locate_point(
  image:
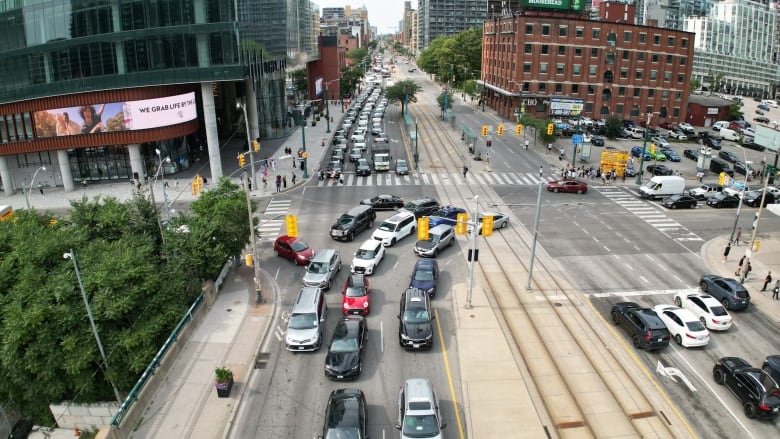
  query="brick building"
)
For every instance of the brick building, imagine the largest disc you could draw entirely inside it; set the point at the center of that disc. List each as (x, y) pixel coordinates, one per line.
(613, 67)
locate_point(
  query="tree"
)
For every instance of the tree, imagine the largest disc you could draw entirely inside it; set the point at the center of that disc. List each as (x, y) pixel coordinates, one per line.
(357, 56)
(735, 112)
(402, 91)
(440, 100)
(614, 126)
(695, 85)
(453, 58)
(470, 87)
(715, 81)
(299, 81)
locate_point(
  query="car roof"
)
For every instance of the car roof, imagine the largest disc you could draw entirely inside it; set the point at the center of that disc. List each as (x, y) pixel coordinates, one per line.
(425, 263)
(369, 244)
(287, 239)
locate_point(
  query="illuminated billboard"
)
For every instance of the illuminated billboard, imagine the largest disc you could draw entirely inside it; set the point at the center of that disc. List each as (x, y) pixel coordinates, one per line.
(574, 5)
(318, 87)
(566, 106)
(116, 116)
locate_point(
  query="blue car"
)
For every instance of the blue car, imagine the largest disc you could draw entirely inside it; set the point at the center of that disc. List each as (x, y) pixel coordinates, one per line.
(424, 276)
(671, 155)
(635, 151)
(445, 215)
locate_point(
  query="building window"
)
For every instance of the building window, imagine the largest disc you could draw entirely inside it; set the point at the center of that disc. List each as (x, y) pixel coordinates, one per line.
(669, 59)
(545, 29)
(610, 58)
(563, 31)
(561, 50)
(577, 69)
(529, 29)
(542, 86)
(638, 74)
(623, 73)
(684, 43)
(559, 69)
(637, 92)
(655, 58)
(589, 107)
(619, 109)
(558, 87)
(671, 42)
(591, 89)
(680, 78)
(528, 49)
(667, 76)
(594, 51)
(596, 33)
(650, 92)
(578, 51)
(676, 112)
(591, 70)
(611, 40)
(545, 49)
(626, 55)
(526, 67)
(640, 56)
(543, 67)
(653, 75)
(621, 91)
(683, 61)
(627, 37)
(648, 109)
(575, 89)
(579, 31)
(657, 40)
(678, 95)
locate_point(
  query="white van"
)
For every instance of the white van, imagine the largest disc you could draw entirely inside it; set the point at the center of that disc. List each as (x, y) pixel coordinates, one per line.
(729, 134)
(662, 186)
(717, 126)
(636, 132)
(771, 103)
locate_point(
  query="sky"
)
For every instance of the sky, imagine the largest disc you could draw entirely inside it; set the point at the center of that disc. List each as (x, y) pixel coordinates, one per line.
(382, 14)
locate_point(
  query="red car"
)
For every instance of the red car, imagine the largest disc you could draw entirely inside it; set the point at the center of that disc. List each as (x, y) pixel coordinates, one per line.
(573, 186)
(355, 295)
(293, 249)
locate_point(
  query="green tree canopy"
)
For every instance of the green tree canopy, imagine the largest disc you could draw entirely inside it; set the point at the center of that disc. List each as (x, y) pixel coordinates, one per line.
(401, 90)
(454, 58)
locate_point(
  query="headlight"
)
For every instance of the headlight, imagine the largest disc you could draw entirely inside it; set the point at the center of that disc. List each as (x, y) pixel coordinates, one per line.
(430, 290)
(328, 367)
(355, 367)
(404, 336)
(346, 306)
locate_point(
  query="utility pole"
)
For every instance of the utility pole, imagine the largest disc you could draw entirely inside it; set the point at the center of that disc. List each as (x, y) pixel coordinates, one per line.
(253, 243)
(473, 251)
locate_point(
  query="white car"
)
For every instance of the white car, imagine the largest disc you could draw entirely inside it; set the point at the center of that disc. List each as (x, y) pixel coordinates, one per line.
(500, 220)
(686, 127)
(735, 191)
(706, 308)
(660, 142)
(368, 256)
(749, 132)
(687, 330)
(679, 135)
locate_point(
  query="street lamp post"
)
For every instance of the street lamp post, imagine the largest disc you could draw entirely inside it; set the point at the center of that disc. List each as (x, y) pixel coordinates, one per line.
(248, 143)
(739, 206)
(165, 193)
(29, 191)
(253, 243)
(416, 151)
(536, 233)
(304, 163)
(72, 256)
(642, 155)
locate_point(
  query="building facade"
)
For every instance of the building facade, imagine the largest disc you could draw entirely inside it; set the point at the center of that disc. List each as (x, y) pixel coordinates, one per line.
(442, 18)
(614, 68)
(91, 91)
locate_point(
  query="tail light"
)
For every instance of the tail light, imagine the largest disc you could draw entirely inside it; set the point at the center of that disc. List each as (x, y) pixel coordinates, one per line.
(648, 336)
(689, 335)
(763, 407)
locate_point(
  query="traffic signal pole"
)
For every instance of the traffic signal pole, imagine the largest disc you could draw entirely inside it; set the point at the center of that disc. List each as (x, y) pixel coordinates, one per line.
(473, 251)
(253, 244)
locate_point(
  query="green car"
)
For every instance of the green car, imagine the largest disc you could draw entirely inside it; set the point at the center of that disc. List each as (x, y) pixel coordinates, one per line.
(658, 156)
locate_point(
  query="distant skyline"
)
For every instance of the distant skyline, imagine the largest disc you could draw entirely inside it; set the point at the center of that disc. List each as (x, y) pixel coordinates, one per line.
(382, 14)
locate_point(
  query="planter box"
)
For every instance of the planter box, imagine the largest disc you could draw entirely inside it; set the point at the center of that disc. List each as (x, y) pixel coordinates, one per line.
(223, 389)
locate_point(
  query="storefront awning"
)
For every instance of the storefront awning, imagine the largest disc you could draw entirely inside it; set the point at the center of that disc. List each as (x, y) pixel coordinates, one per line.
(495, 88)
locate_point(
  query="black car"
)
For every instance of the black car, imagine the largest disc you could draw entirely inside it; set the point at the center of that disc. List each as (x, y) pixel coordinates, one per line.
(646, 329)
(692, 154)
(754, 146)
(597, 141)
(711, 142)
(659, 170)
(679, 201)
(381, 202)
(345, 353)
(728, 156)
(761, 119)
(415, 321)
(346, 415)
(362, 168)
(422, 206)
(757, 391)
(772, 367)
(753, 198)
(742, 168)
(722, 200)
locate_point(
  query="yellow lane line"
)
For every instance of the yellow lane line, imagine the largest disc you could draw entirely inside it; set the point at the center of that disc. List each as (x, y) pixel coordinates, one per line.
(449, 377)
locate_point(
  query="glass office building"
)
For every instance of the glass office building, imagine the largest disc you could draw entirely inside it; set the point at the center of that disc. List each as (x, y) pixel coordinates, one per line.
(67, 54)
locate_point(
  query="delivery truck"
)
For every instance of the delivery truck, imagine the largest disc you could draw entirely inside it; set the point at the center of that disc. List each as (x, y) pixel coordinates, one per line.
(661, 186)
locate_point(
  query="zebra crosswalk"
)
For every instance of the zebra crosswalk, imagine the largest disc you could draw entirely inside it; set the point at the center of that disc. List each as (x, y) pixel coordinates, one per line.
(649, 212)
(272, 219)
(442, 178)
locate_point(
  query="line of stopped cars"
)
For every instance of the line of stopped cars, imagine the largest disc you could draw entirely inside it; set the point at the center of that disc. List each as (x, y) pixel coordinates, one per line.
(689, 321)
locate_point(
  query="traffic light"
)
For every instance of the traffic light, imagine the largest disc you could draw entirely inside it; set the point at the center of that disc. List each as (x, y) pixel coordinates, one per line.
(756, 246)
(461, 227)
(652, 148)
(422, 229)
(519, 129)
(241, 160)
(292, 225)
(721, 179)
(501, 130)
(487, 225)
(256, 145)
(550, 129)
(248, 260)
(197, 184)
(484, 130)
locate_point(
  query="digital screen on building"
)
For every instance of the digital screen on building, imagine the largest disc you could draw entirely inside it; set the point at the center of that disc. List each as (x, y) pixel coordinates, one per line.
(318, 87)
(575, 5)
(566, 106)
(116, 116)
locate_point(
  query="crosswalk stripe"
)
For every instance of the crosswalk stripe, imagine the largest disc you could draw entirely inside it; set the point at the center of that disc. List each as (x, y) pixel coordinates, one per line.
(481, 179)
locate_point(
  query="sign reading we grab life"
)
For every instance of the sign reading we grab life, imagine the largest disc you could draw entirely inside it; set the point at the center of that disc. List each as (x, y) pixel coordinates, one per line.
(154, 113)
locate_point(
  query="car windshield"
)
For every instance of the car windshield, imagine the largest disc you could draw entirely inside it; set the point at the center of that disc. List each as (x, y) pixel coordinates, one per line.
(402, 163)
(387, 227)
(345, 219)
(416, 316)
(299, 246)
(365, 254)
(695, 325)
(347, 344)
(317, 268)
(440, 212)
(718, 311)
(303, 321)
(356, 291)
(411, 205)
(423, 275)
(420, 426)
(343, 433)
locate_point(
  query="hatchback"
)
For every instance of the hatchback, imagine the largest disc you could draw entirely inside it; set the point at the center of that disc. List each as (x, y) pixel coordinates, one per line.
(293, 249)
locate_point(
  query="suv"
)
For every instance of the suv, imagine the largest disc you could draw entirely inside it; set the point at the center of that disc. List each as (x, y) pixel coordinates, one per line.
(728, 156)
(728, 291)
(422, 206)
(415, 320)
(756, 390)
(711, 142)
(646, 329)
(439, 237)
(322, 269)
(418, 410)
(705, 190)
(395, 228)
(307, 318)
(351, 223)
(368, 256)
(446, 215)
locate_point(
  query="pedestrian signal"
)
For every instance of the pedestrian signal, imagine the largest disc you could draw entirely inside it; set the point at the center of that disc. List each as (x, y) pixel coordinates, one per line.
(550, 129)
(501, 130)
(256, 145)
(484, 130)
(241, 160)
(291, 222)
(519, 129)
(422, 229)
(197, 184)
(462, 225)
(487, 225)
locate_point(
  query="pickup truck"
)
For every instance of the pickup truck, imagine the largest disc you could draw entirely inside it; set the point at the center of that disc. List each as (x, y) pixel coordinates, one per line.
(646, 329)
(705, 190)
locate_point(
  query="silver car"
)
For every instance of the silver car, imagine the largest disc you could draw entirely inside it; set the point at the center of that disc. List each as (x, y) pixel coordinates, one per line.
(401, 168)
(322, 269)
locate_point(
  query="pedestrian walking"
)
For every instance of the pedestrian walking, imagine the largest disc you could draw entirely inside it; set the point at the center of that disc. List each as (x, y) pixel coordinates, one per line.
(265, 185)
(526, 144)
(726, 252)
(549, 148)
(176, 184)
(293, 160)
(562, 154)
(739, 267)
(541, 171)
(737, 236)
(278, 183)
(40, 188)
(284, 181)
(273, 164)
(465, 170)
(748, 269)
(293, 178)
(249, 184)
(767, 280)
(776, 289)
